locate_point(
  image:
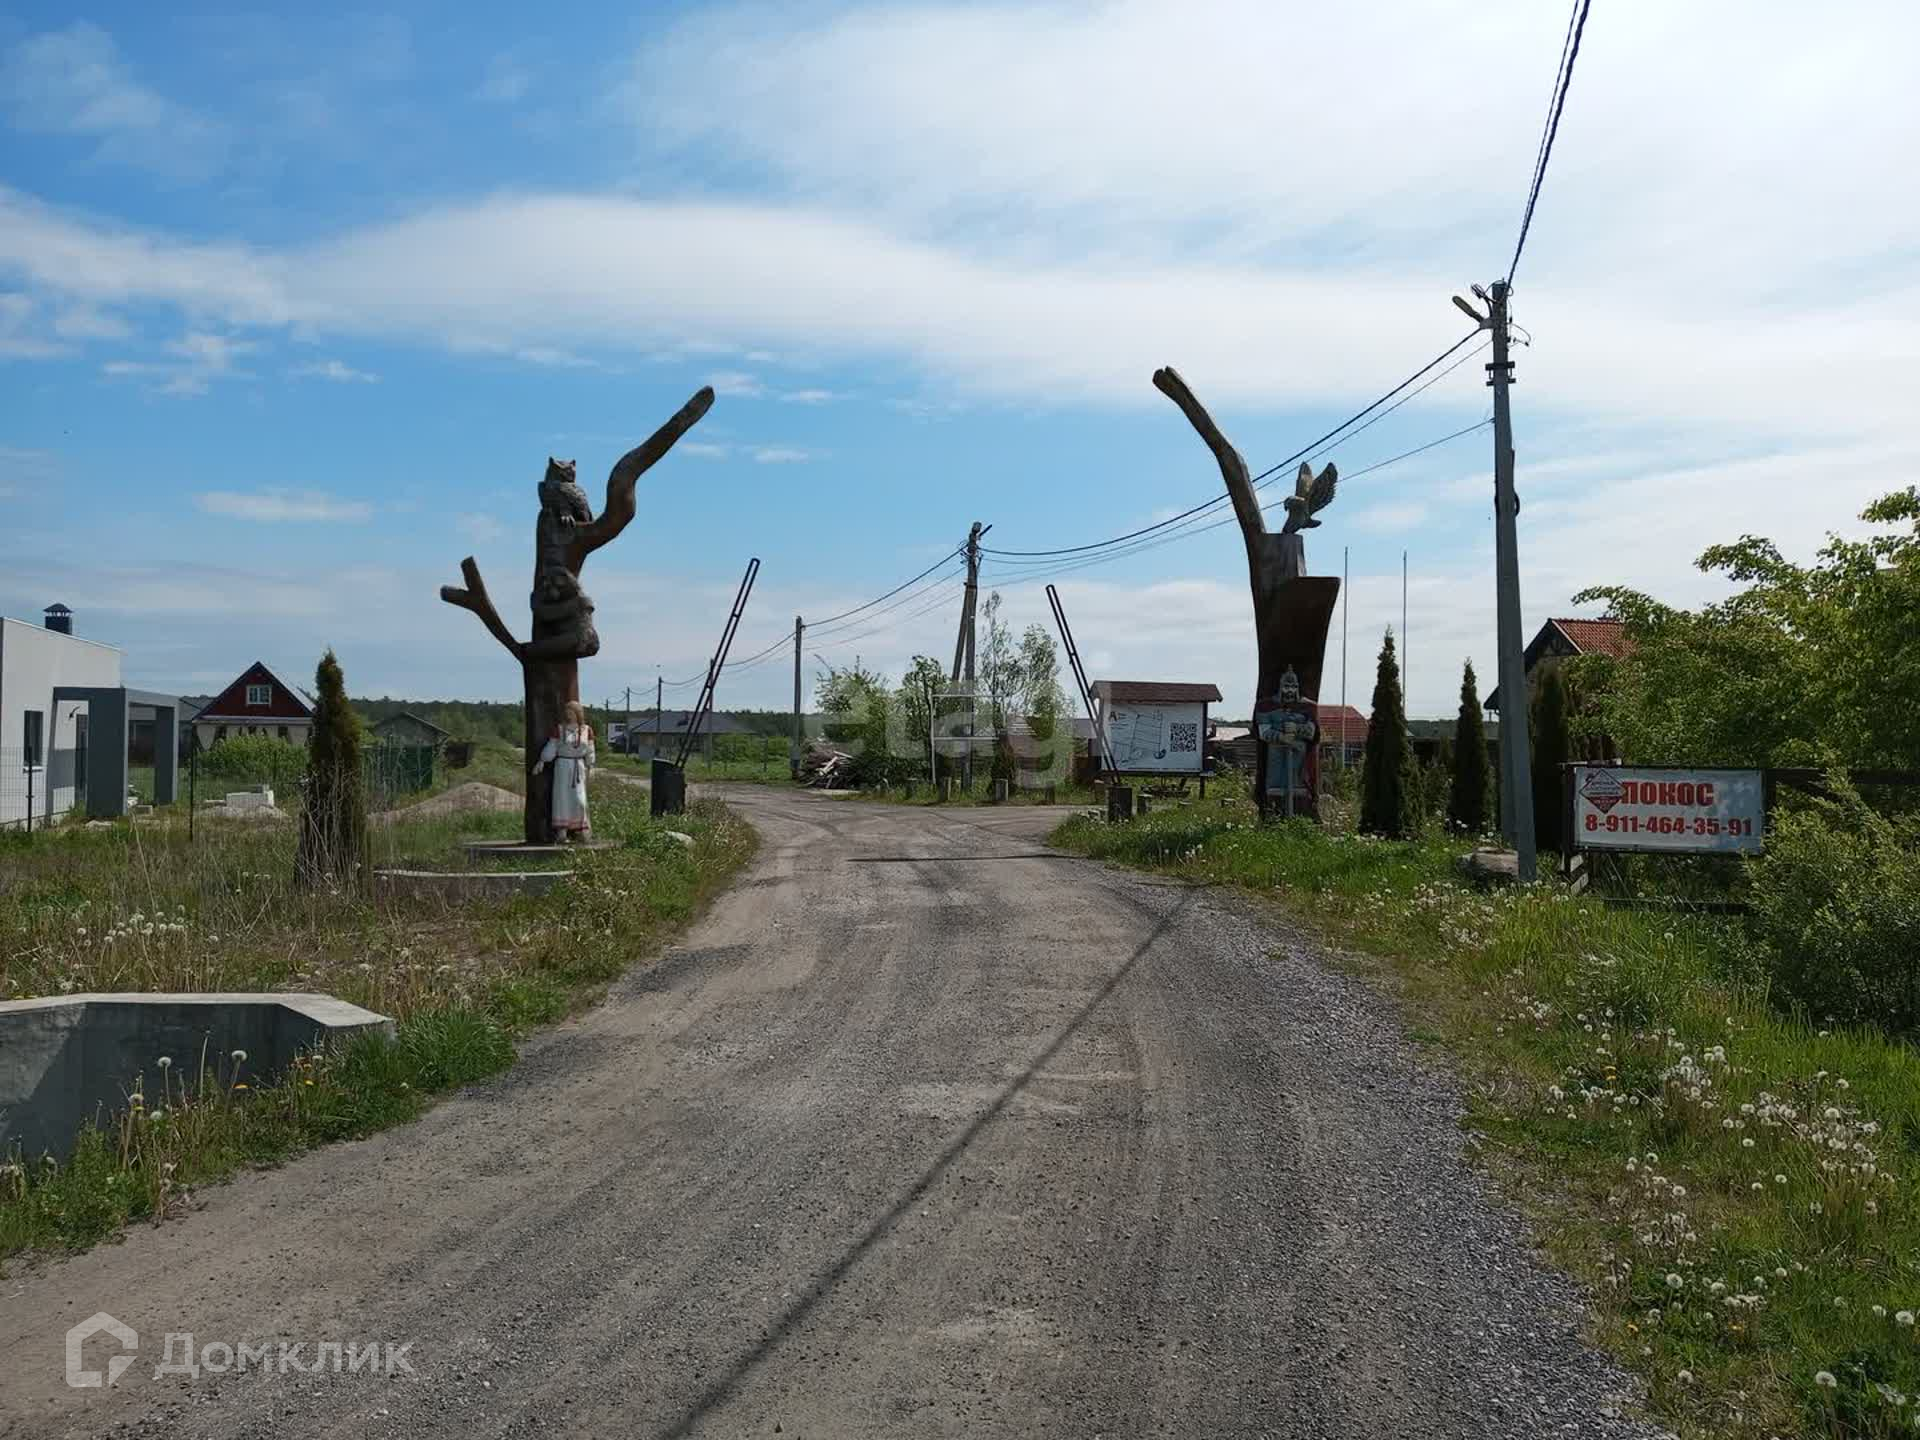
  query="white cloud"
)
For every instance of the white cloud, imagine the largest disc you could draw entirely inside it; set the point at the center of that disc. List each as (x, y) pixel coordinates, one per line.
(281, 505)
(704, 449)
(336, 370)
(781, 455)
(736, 383)
(73, 82)
(1390, 517)
(200, 358)
(810, 397)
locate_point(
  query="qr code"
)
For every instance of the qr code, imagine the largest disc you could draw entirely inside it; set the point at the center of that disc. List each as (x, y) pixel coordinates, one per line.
(1183, 737)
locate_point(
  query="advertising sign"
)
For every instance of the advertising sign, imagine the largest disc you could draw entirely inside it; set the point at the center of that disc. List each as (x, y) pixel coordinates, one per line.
(1155, 739)
(1678, 811)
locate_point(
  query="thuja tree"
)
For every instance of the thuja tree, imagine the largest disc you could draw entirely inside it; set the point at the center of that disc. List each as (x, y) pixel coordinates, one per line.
(565, 533)
(333, 813)
(1552, 743)
(1467, 799)
(1383, 781)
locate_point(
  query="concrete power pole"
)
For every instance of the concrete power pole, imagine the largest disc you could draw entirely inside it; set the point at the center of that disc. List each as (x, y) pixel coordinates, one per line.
(1516, 776)
(963, 643)
(799, 629)
(626, 721)
(659, 694)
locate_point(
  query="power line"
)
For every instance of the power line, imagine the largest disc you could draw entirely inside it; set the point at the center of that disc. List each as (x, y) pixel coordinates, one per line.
(1194, 527)
(1569, 53)
(815, 624)
(1041, 570)
(825, 626)
(1218, 500)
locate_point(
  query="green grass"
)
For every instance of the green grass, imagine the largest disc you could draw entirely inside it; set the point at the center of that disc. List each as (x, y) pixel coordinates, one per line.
(140, 907)
(1694, 1155)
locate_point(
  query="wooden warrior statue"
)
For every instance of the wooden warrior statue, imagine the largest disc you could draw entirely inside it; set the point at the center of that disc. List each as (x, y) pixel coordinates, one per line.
(1291, 611)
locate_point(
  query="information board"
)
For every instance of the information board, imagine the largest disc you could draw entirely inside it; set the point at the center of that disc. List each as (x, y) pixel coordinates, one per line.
(1156, 739)
(1672, 811)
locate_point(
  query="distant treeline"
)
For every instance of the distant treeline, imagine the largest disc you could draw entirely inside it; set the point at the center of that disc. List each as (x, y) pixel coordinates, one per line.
(462, 719)
(500, 720)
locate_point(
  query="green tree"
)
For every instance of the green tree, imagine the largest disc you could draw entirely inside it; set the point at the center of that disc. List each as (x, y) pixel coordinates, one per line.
(1550, 750)
(1467, 798)
(1000, 672)
(1383, 782)
(1803, 665)
(332, 847)
(915, 703)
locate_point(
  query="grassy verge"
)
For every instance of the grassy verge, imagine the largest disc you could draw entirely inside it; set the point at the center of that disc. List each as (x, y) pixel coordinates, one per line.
(1735, 1185)
(138, 907)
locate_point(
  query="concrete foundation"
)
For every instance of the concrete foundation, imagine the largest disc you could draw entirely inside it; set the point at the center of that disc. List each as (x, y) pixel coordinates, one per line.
(455, 886)
(68, 1059)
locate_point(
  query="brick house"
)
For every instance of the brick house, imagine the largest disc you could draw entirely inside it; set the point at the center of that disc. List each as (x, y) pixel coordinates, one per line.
(258, 702)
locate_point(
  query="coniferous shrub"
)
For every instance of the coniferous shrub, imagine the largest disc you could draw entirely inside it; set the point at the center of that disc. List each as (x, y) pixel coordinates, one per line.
(1383, 783)
(1467, 809)
(333, 813)
(1552, 744)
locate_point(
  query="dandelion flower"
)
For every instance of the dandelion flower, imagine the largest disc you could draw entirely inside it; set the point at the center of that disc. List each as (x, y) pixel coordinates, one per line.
(1824, 1379)
(165, 1062)
(1905, 1317)
(1685, 1377)
(239, 1057)
(1674, 1282)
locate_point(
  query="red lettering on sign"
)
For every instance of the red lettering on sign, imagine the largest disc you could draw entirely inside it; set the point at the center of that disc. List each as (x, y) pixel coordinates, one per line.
(1706, 792)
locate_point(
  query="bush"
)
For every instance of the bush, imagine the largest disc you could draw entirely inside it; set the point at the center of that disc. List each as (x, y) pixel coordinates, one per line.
(1836, 912)
(253, 760)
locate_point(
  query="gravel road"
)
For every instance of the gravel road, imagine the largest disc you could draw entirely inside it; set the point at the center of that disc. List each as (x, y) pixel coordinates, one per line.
(923, 1131)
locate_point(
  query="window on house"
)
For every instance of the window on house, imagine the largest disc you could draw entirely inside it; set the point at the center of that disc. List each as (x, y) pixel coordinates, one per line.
(259, 694)
(219, 733)
(283, 733)
(33, 738)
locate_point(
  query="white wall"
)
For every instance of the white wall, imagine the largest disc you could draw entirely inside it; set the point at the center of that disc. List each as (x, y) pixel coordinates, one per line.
(298, 731)
(33, 660)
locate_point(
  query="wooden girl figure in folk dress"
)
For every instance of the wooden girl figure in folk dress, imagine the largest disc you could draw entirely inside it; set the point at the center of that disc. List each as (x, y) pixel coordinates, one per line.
(570, 751)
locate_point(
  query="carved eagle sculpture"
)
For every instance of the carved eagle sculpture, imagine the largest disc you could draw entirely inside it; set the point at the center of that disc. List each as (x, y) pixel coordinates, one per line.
(1310, 494)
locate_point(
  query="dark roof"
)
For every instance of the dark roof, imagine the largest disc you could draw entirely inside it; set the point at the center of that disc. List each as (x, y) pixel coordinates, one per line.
(56, 609)
(1154, 692)
(419, 720)
(286, 703)
(672, 721)
(1559, 639)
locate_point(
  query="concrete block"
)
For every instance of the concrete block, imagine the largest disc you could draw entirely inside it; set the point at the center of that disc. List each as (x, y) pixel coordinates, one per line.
(68, 1059)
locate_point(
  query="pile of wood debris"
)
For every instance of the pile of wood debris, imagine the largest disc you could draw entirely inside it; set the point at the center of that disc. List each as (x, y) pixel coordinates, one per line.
(824, 768)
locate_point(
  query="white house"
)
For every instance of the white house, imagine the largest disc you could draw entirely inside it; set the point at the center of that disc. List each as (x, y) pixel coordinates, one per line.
(43, 744)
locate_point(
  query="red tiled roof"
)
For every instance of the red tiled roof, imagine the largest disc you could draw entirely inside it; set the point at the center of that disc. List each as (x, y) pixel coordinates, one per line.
(1342, 724)
(1153, 692)
(1596, 637)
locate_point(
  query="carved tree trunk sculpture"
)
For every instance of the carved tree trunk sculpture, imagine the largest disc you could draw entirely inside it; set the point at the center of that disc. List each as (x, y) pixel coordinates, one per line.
(563, 633)
(1291, 610)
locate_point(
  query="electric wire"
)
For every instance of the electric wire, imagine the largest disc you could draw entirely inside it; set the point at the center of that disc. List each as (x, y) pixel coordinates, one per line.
(1258, 480)
(1563, 80)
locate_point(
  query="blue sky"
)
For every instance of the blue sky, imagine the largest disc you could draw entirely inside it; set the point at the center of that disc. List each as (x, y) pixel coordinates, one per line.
(294, 308)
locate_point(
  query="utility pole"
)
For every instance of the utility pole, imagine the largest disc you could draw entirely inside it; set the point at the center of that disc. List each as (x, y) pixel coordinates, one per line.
(626, 720)
(1516, 780)
(659, 692)
(963, 643)
(799, 628)
(1406, 649)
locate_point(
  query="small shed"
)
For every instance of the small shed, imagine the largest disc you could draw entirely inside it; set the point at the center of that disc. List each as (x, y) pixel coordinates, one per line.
(406, 728)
